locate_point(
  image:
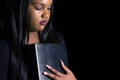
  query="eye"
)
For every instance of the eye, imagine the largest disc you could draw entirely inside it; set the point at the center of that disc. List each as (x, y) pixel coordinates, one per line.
(38, 7)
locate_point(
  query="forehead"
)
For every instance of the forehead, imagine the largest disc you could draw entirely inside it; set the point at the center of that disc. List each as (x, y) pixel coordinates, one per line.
(42, 1)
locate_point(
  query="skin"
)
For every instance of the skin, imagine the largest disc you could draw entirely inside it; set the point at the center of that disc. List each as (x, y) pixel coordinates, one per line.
(39, 10)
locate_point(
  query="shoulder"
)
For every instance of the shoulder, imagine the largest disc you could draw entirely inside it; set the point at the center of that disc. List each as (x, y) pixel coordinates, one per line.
(3, 44)
(4, 48)
(4, 58)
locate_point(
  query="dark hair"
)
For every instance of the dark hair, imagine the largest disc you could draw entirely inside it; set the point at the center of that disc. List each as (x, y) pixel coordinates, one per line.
(16, 25)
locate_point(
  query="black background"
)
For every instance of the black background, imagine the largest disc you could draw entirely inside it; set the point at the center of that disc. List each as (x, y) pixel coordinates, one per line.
(66, 21)
(81, 23)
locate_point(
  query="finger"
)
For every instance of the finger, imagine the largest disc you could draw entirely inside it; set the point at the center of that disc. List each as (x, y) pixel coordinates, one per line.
(55, 77)
(65, 67)
(54, 71)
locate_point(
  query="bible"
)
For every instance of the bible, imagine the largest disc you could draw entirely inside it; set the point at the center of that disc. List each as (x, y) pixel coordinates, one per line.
(50, 54)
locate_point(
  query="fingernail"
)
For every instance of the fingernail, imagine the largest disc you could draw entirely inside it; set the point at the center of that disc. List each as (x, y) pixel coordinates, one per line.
(45, 73)
(61, 61)
(47, 66)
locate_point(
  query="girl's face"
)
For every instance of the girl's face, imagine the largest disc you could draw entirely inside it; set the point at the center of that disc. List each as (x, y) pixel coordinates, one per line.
(39, 14)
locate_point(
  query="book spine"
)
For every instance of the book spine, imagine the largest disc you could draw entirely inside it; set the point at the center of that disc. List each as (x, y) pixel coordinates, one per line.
(38, 65)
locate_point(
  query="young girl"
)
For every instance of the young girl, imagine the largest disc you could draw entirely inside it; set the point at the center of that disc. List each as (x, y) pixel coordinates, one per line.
(28, 22)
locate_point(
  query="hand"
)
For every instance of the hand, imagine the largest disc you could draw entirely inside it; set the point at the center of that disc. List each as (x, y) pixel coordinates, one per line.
(56, 75)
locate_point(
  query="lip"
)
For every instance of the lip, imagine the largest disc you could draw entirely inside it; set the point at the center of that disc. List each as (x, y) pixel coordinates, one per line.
(44, 22)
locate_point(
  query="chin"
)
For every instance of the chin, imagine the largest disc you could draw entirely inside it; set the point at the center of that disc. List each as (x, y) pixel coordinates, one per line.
(41, 28)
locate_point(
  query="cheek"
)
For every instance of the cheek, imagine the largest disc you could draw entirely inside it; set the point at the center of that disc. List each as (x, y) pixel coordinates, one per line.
(49, 14)
(34, 19)
(35, 16)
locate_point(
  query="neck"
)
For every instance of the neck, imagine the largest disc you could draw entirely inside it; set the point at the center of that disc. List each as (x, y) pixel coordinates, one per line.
(33, 38)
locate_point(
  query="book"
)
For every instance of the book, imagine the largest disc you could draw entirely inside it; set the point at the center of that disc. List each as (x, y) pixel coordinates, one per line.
(45, 53)
(50, 54)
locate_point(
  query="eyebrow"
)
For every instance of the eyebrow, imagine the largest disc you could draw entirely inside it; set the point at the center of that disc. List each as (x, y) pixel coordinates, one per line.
(39, 3)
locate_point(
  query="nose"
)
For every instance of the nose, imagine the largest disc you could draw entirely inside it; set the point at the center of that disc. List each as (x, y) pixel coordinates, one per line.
(45, 14)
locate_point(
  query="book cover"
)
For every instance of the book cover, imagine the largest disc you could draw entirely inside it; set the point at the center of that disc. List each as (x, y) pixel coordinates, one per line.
(50, 54)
